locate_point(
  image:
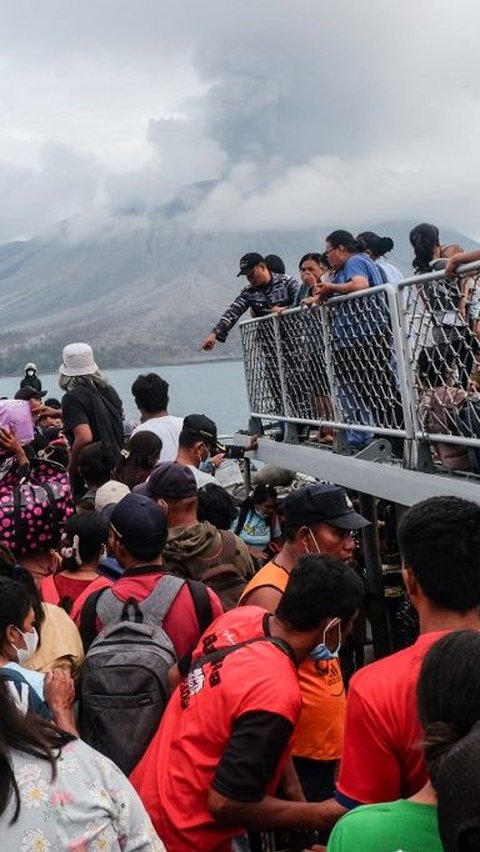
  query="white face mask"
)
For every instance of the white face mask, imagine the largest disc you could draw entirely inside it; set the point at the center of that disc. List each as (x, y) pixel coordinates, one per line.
(31, 641)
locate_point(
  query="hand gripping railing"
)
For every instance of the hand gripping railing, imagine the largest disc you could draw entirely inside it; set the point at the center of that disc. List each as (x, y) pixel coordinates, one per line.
(394, 361)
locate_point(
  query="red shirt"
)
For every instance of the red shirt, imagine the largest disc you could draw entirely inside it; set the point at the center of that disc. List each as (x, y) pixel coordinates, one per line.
(382, 758)
(56, 587)
(180, 623)
(228, 726)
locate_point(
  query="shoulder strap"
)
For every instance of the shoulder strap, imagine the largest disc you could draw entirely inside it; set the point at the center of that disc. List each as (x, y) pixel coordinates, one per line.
(202, 604)
(157, 604)
(229, 542)
(88, 618)
(219, 655)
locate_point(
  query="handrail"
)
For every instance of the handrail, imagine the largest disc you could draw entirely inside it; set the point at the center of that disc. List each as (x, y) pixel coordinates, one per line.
(394, 360)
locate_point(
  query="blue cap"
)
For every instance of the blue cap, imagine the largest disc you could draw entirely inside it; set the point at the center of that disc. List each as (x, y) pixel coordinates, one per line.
(138, 521)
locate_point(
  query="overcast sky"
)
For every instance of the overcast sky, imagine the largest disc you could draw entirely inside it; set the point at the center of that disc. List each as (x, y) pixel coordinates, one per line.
(297, 113)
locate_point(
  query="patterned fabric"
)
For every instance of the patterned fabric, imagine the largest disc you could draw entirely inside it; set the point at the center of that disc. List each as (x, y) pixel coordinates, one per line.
(89, 807)
(281, 291)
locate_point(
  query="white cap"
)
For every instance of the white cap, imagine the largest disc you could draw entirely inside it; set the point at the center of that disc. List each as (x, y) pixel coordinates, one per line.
(111, 492)
(78, 360)
(30, 366)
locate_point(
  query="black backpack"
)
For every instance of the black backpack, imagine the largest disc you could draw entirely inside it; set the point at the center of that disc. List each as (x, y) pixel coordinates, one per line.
(124, 681)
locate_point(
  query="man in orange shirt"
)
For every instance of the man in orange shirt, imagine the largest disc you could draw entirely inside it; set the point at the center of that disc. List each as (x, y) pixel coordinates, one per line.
(318, 519)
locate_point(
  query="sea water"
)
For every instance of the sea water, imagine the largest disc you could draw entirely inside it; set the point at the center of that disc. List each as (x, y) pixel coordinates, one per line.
(215, 388)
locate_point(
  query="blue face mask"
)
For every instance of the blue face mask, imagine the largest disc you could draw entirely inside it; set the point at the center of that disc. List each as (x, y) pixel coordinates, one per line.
(206, 465)
(322, 651)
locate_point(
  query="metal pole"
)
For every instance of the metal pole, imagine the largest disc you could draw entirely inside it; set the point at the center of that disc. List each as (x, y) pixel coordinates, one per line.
(377, 610)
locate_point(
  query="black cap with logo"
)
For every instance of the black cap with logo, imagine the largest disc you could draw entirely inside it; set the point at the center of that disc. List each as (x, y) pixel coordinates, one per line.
(248, 262)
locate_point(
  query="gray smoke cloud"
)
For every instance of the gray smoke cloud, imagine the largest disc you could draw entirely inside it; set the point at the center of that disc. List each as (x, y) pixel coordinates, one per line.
(271, 115)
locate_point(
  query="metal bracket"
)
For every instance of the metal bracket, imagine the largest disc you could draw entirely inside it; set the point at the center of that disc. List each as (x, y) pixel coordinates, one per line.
(379, 450)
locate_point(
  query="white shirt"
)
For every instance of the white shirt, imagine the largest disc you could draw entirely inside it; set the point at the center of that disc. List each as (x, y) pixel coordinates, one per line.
(392, 272)
(201, 476)
(168, 428)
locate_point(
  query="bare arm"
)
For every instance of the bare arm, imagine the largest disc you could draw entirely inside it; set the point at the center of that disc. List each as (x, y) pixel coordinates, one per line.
(459, 258)
(271, 813)
(357, 282)
(82, 436)
(265, 596)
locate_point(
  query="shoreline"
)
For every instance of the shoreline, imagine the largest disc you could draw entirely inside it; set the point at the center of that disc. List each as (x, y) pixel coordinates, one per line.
(176, 362)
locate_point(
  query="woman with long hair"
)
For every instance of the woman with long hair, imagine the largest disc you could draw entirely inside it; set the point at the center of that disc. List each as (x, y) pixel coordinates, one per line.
(58, 793)
(443, 304)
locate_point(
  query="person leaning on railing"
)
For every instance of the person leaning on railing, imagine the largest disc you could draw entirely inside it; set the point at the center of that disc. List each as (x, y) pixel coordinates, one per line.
(361, 335)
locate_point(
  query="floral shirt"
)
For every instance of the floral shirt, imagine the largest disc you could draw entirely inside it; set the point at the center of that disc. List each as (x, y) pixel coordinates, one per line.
(89, 807)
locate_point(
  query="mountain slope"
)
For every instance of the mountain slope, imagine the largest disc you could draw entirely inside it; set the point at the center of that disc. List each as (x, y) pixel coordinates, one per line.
(145, 296)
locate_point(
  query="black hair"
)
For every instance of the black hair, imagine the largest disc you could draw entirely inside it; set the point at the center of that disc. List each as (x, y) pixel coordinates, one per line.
(30, 735)
(92, 534)
(145, 552)
(53, 402)
(150, 392)
(448, 694)
(139, 458)
(96, 463)
(15, 604)
(188, 438)
(318, 587)
(275, 264)
(216, 505)
(259, 494)
(313, 255)
(439, 541)
(10, 568)
(345, 239)
(424, 239)
(378, 246)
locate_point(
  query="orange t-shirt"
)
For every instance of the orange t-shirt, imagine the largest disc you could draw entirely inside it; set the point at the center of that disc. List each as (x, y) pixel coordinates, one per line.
(319, 733)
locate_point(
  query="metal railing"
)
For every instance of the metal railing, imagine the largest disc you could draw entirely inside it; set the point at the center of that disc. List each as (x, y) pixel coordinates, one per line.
(398, 361)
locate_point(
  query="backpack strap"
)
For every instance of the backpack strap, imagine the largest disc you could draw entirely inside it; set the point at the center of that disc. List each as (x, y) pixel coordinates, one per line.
(229, 542)
(217, 656)
(155, 607)
(88, 618)
(202, 604)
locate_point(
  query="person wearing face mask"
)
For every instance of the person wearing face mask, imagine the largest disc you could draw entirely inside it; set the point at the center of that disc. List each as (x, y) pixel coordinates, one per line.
(257, 523)
(50, 695)
(318, 519)
(200, 450)
(212, 769)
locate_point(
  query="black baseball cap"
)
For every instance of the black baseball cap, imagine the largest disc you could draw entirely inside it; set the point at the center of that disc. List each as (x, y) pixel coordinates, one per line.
(201, 425)
(138, 520)
(169, 481)
(29, 393)
(317, 504)
(248, 261)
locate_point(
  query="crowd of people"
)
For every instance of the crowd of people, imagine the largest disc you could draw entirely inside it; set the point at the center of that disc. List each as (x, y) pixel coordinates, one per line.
(443, 331)
(172, 669)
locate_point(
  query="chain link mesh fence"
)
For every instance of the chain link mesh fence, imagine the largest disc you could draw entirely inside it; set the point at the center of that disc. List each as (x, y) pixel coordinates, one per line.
(380, 360)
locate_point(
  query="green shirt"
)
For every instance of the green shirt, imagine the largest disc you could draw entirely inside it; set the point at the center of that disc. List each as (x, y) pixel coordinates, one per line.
(401, 826)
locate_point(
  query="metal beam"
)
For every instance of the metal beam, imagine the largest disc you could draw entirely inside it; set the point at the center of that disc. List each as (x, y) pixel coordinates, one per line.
(388, 481)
